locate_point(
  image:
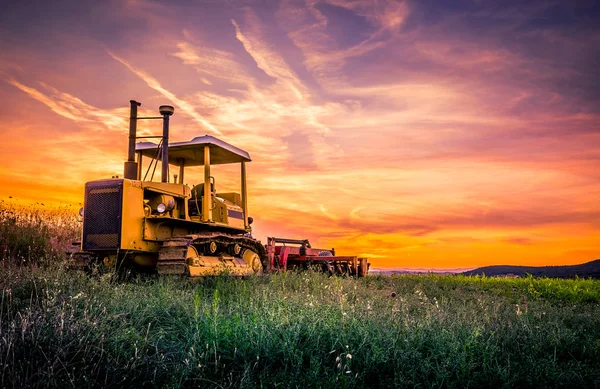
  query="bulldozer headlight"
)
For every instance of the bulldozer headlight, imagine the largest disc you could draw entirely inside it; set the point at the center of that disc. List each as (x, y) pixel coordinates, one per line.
(81, 211)
(162, 203)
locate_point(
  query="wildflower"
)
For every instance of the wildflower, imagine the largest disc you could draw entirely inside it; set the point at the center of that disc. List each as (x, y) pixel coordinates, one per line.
(349, 356)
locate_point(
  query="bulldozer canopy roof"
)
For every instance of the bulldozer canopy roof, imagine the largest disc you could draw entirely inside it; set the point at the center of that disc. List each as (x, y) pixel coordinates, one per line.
(192, 152)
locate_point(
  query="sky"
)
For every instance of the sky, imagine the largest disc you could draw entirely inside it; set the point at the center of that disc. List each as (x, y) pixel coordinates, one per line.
(425, 134)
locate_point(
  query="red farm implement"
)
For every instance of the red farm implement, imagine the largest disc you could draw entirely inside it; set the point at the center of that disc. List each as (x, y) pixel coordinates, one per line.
(288, 254)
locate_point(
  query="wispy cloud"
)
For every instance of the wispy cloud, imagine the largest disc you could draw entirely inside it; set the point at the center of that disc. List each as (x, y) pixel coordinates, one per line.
(307, 27)
(268, 60)
(213, 63)
(153, 83)
(73, 108)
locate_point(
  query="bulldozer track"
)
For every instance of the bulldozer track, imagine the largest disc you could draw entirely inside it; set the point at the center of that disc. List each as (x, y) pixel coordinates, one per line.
(172, 255)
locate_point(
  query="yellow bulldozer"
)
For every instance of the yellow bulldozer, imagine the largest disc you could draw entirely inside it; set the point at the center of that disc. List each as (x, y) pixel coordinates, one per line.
(169, 228)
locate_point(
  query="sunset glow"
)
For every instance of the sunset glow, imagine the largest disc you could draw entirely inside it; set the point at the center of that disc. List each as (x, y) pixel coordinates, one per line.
(417, 133)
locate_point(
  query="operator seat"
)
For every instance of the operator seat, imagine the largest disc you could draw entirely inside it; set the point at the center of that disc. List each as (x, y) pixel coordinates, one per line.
(195, 203)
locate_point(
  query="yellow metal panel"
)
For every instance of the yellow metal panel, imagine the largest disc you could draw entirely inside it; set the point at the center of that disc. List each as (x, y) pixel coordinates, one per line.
(206, 201)
(212, 266)
(139, 165)
(181, 170)
(132, 219)
(177, 190)
(219, 213)
(233, 197)
(236, 223)
(245, 196)
(156, 229)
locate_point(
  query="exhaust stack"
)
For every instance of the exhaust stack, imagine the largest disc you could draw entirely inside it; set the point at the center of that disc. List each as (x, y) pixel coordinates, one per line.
(131, 167)
(165, 111)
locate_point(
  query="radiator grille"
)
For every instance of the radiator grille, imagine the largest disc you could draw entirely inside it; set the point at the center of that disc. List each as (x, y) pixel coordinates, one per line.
(102, 215)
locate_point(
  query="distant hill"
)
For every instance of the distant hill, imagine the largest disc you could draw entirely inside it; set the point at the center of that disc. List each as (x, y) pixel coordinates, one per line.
(414, 271)
(589, 269)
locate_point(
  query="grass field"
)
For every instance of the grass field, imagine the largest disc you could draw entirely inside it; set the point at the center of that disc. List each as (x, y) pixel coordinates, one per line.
(59, 328)
(297, 330)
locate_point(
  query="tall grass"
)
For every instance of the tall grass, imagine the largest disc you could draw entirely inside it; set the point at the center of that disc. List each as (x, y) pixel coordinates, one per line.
(30, 234)
(297, 330)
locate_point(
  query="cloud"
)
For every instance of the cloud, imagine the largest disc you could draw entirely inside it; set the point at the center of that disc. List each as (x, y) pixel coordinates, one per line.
(283, 108)
(213, 63)
(186, 107)
(506, 218)
(386, 15)
(268, 60)
(307, 27)
(521, 240)
(73, 108)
